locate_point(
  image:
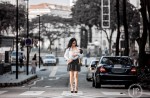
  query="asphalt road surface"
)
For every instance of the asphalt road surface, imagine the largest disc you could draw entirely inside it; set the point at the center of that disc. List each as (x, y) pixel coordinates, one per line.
(53, 82)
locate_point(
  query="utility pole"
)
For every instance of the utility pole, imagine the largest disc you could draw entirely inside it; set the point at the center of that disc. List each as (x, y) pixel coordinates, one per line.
(27, 65)
(39, 41)
(17, 39)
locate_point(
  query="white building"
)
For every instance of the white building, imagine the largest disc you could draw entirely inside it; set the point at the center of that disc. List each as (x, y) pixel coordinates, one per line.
(51, 9)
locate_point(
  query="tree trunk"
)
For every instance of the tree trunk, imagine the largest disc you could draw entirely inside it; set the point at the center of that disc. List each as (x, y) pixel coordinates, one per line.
(50, 43)
(90, 33)
(142, 41)
(118, 28)
(110, 41)
(126, 52)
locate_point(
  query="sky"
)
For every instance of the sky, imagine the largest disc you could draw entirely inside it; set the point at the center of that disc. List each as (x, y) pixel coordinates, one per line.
(59, 2)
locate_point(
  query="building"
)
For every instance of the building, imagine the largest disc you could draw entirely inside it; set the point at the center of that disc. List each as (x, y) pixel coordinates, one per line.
(51, 9)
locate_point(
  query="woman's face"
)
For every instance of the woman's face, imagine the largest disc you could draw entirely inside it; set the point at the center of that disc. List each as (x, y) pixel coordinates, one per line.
(73, 43)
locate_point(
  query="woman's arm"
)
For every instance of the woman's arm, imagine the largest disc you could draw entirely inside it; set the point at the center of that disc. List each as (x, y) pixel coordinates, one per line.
(66, 55)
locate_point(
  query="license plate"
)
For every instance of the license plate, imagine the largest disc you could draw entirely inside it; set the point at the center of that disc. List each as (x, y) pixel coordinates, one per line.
(117, 66)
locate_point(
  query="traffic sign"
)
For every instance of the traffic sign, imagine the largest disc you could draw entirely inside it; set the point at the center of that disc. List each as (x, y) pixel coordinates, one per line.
(28, 42)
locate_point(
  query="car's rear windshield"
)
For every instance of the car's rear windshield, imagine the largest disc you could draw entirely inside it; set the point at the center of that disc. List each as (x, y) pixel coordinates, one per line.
(94, 62)
(49, 57)
(116, 60)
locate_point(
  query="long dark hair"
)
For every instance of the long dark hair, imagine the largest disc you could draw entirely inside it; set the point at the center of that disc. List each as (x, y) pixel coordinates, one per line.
(71, 41)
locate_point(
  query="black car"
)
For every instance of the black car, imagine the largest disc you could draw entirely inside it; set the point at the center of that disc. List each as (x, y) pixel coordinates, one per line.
(117, 70)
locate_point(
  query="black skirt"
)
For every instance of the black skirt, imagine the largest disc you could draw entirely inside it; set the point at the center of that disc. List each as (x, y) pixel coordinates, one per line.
(74, 66)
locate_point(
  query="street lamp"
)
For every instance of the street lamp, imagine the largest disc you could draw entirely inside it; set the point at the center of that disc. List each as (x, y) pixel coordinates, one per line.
(17, 39)
(27, 66)
(39, 40)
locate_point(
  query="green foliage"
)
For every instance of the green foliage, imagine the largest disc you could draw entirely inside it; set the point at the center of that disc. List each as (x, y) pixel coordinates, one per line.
(53, 27)
(8, 16)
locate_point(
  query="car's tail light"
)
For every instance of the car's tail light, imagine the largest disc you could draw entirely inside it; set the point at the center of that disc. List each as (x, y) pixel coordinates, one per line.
(133, 70)
(102, 70)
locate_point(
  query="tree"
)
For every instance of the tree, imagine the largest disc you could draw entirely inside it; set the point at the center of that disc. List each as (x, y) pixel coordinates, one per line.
(8, 17)
(145, 12)
(53, 27)
(88, 12)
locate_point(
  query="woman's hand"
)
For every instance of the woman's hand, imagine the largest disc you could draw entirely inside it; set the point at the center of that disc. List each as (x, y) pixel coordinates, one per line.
(69, 61)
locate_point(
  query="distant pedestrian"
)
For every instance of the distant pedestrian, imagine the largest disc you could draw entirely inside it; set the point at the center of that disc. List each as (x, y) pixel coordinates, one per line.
(34, 64)
(21, 58)
(106, 51)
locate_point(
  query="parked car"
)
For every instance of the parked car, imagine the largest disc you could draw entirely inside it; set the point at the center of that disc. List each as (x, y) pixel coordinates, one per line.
(90, 69)
(114, 70)
(49, 59)
(13, 56)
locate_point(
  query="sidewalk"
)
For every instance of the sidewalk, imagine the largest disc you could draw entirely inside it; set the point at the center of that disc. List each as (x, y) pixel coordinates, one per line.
(9, 79)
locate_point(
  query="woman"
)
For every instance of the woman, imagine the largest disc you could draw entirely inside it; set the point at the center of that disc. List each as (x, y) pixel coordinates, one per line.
(34, 64)
(72, 55)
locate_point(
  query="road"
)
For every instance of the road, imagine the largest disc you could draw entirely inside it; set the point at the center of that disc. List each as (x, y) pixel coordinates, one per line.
(53, 82)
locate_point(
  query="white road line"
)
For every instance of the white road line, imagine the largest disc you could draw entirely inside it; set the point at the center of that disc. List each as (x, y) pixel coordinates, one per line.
(1, 92)
(34, 83)
(68, 93)
(32, 93)
(113, 93)
(52, 74)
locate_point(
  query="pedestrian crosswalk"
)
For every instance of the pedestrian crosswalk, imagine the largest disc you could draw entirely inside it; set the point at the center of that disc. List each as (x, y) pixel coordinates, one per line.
(32, 93)
(113, 93)
(1, 92)
(64, 94)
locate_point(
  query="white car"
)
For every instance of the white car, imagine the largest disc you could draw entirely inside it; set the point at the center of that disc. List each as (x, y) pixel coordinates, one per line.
(49, 59)
(90, 70)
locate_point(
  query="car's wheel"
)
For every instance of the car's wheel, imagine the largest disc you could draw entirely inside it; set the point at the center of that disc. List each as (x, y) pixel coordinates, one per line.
(97, 84)
(93, 83)
(88, 79)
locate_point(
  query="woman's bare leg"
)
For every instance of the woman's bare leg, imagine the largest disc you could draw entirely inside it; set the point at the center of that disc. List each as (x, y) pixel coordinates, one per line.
(76, 80)
(71, 79)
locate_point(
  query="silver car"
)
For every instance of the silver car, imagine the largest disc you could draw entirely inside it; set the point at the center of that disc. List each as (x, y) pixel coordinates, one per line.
(49, 59)
(90, 70)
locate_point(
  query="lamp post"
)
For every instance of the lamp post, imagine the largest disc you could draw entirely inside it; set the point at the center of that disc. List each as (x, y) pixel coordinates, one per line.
(17, 39)
(27, 64)
(39, 41)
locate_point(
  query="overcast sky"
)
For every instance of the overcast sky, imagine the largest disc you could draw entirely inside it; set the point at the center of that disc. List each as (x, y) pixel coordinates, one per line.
(59, 2)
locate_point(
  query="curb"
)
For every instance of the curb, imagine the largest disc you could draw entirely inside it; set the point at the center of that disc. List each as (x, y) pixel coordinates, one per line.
(20, 83)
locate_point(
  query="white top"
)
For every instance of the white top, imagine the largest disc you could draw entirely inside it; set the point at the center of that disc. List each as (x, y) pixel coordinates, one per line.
(69, 54)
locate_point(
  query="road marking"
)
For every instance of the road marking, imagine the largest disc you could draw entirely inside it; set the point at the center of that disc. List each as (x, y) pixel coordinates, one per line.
(32, 93)
(113, 93)
(47, 86)
(1, 92)
(52, 74)
(68, 93)
(34, 83)
(54, 78)
(146, 93)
